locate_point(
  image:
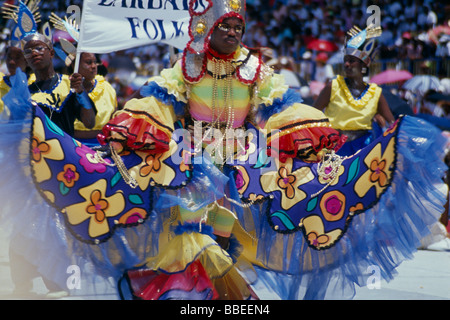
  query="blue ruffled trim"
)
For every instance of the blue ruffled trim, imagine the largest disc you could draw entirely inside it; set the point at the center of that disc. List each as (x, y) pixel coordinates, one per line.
(161, 93)
(132, 245)
(378, 239)
(290, 97)
(206, 186)
(234, 248)
(18, 98)
(34, 228)
(189, 227)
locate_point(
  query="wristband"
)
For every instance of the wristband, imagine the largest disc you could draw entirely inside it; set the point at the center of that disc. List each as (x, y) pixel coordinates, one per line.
(84, 100)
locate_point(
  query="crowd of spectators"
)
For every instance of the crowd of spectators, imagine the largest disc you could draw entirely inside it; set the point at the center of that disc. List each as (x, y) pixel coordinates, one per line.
(290, 25)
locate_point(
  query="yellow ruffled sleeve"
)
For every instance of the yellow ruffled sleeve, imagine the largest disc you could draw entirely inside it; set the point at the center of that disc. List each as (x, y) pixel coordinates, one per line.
(295, 115)
(143, 124)
(160, 113)
(272, 86)
(293, 129)
(172, 80)
(148, 123)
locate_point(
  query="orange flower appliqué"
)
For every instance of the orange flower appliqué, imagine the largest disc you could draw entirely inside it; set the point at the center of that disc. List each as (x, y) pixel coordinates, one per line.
(152, 164)
(285, 181)
(69, 175)
(378, 172)
(38, 149)
(317, 240)
(356, 207)
(288, 182)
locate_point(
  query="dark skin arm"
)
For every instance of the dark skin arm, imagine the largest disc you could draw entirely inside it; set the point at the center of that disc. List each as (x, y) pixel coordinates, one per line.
(137, 93)
(324, 97)
(384, 113)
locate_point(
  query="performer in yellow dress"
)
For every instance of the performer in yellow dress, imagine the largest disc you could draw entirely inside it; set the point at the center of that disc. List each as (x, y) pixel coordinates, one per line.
(98, 89)
(213, 93)
(353, 106)
(101, 93)
(219, 178)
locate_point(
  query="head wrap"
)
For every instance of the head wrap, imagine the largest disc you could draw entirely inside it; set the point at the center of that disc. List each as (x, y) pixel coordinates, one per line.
(37, 37)
(26, 16)
(205, 16)
(362, 43)
(205, 19)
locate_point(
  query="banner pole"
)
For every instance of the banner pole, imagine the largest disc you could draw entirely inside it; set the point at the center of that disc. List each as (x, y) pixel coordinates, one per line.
(77, 62)
(80, 40)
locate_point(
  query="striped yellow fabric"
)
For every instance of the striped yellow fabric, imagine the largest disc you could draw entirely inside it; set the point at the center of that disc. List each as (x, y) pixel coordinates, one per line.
(201, 97)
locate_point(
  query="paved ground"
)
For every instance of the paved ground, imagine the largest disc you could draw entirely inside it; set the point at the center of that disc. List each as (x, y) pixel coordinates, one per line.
(426, 277)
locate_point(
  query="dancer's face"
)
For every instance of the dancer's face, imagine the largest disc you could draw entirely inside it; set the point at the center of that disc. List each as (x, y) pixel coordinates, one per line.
(227, 36)
(353, 66)
(14, 59)
(88, 66)
(38, 54)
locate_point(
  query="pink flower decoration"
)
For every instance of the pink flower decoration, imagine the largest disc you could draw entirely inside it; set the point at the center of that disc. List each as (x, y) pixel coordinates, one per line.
(333, 204)
(239, 180)
(88, 160)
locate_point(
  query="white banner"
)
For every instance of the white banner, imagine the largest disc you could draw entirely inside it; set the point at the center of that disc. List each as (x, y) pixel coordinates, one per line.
(112, 25)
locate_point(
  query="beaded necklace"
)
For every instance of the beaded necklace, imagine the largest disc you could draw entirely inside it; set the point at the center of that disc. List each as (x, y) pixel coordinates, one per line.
(227, 91)
(226, 83)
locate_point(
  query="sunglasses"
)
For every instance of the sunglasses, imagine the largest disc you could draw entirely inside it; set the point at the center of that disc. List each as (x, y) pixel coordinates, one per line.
(38, 49)
(226, 28)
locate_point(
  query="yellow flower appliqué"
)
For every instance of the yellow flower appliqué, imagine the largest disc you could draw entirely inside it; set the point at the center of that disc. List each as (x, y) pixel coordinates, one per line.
(153, 167)
(42, 149)
(287, 182)
(97, 207)
(379, 173)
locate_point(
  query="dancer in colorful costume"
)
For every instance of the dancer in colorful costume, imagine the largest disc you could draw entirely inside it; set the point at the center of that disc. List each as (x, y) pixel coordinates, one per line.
(14, 58)
(256, 193)
(61, 97)
(354, 107)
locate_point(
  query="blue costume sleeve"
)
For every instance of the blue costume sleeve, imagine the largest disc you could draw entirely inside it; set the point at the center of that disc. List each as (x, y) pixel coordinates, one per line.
(84, 100)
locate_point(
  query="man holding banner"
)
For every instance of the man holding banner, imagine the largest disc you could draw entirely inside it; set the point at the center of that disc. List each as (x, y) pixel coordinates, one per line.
(52, 91)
